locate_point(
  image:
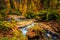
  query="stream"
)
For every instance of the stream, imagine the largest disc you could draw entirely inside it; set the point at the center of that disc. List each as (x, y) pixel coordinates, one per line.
(46, 34)
(25, 29)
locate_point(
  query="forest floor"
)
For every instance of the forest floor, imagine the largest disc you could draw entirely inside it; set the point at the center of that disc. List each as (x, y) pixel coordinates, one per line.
(52, 26)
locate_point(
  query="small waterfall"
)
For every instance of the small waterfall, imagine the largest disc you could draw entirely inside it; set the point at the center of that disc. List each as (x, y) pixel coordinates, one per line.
(25, 29)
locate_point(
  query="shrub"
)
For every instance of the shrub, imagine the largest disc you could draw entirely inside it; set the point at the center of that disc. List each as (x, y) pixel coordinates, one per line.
(5, 38)
(2, 6)
(5, 26)
(1, 18)
(29, 15)
(15, 12)
(48, 15)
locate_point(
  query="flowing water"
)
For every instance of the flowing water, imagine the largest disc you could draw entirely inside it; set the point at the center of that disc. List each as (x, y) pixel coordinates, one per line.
(46, 34)
(25, 29)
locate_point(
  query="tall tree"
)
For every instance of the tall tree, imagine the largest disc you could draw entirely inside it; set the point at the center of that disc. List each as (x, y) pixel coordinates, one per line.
(53, 4)
(7, 3)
